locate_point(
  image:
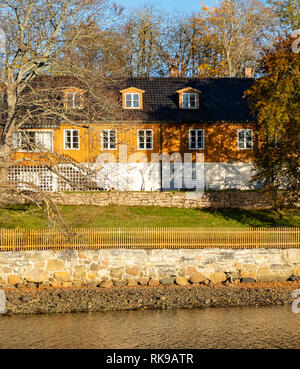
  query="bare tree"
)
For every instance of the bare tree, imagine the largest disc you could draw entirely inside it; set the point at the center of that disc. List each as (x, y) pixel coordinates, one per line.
(35, 69)
(142, 32)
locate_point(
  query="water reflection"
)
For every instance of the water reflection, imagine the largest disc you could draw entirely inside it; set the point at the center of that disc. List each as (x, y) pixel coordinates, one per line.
(261, 327)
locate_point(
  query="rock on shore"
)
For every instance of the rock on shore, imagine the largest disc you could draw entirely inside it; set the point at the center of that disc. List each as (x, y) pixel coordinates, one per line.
(84, 299)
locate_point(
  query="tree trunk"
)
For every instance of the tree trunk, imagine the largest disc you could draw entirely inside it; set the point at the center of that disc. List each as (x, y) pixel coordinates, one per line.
(5, 158)
(9, 127)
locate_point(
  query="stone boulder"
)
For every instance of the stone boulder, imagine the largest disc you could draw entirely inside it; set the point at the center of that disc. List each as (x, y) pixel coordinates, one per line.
(106, 284)
(143, 281)
(167, 281)
(181, 281)
(296, 271)
(217, 277)
(248, 280)
(197, 278)
(292, 256)
(249, 271)
(131, 283)
(36, 276)
(282, 272)
(62, 276)
(13, 279)
(265, 274)
(133, 271)
(153, 282)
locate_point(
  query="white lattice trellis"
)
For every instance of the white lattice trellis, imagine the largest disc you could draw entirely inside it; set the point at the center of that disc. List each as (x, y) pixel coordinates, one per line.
(70, 178)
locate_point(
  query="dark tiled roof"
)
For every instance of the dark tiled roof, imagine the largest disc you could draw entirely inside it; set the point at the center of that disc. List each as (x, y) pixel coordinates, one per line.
(221, 100)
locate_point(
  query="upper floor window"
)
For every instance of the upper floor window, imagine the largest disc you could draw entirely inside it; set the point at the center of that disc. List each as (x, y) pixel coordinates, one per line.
(108, 139)
(188, 98)
(73, 98)
(145, 139)
(245, 139)
(33, 141)
(132, 98)
(196, 139)
(132, 101)
(71, 139)
(189, 101)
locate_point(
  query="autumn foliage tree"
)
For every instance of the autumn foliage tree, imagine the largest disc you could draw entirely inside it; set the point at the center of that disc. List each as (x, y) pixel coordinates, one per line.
(275, 99)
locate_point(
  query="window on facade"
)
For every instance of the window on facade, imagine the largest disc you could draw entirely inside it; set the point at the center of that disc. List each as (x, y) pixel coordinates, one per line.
(145, 139)
(189, 101)
(132, 101)
(108, 139)
(71, 139)
(33, 141)
(73, 100)
(245, 139)
(196, 140)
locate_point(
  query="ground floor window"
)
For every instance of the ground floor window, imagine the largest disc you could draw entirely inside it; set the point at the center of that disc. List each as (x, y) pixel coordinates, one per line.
(196, 139)
(108, 139)
(71, 139)
(145, 139)
(33, 141)
(245, 139)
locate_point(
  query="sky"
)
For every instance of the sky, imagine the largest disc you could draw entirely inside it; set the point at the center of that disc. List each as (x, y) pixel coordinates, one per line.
(187, 6)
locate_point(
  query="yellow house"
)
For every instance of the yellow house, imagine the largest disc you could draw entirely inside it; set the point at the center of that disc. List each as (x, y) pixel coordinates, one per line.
(159, 118)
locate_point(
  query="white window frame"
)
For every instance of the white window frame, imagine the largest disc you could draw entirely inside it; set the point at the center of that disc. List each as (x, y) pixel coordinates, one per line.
(108, 137)
(132, 107)
(238, 140)
(72, 144)
(138, 139)
(35, 143)
(189, 100)
(74, 106)
(197, 143)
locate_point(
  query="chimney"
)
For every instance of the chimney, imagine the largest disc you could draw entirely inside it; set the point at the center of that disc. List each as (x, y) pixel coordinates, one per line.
(174, 71)
(248, 72)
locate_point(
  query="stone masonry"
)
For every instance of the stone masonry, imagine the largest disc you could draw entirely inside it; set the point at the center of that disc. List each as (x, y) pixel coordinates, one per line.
(122, 267)
(232, 199)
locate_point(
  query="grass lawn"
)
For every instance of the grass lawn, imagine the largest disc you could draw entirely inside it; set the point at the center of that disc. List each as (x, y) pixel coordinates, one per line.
(28, 216)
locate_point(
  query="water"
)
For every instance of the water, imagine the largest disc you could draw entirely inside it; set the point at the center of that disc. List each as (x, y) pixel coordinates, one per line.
(250, 327)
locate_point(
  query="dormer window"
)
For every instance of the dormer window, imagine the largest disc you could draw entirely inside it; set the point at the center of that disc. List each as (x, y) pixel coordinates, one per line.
(73, 98)
(188, 98)
(132, 98)
(132, 101)
(189, 101)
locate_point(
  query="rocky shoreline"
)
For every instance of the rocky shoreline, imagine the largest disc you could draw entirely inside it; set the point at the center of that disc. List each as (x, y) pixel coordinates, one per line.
(91, 299)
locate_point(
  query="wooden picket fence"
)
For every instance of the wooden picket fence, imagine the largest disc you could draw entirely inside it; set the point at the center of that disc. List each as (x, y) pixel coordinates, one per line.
(149, 238)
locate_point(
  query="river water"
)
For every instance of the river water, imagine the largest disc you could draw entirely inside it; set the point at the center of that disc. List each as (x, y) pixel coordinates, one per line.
(247, 327)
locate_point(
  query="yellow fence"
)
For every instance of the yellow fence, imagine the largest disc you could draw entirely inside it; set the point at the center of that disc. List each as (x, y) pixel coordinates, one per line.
(150, 238)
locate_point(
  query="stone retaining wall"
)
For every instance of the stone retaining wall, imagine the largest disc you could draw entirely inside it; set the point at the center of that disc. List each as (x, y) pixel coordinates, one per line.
(233, 199)
(120, 267)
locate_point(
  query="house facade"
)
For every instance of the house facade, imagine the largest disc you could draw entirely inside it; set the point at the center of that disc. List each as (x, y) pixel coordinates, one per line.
(163, 124)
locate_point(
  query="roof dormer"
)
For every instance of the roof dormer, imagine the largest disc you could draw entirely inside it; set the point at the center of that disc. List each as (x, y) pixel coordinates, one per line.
(73, 98)
(132, 98)
(188, 98)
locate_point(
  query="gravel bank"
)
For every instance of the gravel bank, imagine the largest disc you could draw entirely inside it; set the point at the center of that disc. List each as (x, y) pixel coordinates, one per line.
(72, 299)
